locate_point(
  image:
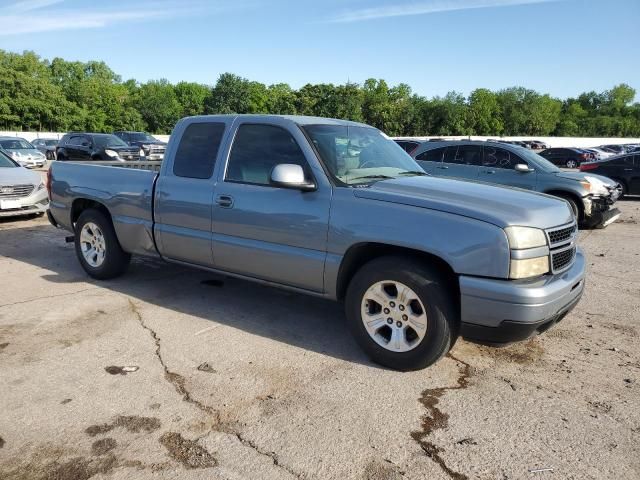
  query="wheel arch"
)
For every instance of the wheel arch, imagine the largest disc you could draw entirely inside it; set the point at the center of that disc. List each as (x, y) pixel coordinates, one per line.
(359, 254)
(573, 196)
(79, 205)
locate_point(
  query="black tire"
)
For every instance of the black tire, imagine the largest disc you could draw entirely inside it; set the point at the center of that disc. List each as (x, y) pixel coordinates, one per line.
(49, 155)
(624, 187)
(61, 156)
(115, 261)
(432, 290)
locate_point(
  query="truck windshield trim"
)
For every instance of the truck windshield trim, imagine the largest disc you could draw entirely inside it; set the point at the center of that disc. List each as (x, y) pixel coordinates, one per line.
(356, 156)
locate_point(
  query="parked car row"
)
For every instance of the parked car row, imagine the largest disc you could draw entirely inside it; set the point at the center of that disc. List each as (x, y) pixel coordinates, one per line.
(120, 146)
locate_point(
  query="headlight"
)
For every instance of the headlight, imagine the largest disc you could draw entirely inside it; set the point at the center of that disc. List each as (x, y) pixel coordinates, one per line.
(596, 186)
(525, 237)
(530, 267)
(111, 153)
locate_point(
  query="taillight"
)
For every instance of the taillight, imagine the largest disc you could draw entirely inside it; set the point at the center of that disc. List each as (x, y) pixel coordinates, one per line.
(49, 183)
(588, 166)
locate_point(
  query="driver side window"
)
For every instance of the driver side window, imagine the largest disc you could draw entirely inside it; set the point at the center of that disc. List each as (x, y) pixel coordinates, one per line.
(258, 148)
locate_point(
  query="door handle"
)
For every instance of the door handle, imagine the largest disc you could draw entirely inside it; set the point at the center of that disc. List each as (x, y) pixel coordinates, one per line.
(225, 201)
(489, 172)
(443, 167)
(628, 169)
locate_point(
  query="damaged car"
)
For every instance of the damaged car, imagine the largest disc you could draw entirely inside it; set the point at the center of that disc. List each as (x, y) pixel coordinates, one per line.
(591, 197)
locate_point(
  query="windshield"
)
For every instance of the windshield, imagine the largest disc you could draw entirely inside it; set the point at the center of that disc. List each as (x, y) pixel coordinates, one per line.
(51, 143)
(16, 144)
(6, 162)
(359, 155)
(142, 137)
(106, 141)
(537, 160)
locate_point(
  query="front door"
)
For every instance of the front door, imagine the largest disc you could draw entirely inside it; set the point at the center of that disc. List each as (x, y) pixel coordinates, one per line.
(498, 166)
(263, 231)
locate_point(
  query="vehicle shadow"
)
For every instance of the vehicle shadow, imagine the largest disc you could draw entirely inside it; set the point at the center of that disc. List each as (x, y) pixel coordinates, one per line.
(307, 322)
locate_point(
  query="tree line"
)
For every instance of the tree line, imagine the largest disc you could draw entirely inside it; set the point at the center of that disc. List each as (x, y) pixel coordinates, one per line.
(58, 95)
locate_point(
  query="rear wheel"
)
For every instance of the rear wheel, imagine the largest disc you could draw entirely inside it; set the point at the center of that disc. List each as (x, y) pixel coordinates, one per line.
(97, 246)
(571, 164)
(49, 155)
(401, 313)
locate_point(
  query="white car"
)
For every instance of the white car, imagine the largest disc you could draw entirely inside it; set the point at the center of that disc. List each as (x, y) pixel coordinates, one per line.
(22, 152)
(22, 192)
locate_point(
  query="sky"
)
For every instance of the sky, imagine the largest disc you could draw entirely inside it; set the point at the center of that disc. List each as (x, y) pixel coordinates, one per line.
(561, 47)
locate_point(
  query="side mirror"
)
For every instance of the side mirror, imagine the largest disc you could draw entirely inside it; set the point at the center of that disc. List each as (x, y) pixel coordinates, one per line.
(288, 175)
(523, 168)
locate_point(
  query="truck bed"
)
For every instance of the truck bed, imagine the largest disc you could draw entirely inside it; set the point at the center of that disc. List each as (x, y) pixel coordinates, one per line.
(126, 189)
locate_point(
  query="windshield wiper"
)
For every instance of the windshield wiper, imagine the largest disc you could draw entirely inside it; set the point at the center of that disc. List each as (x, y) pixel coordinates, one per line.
(381, 177)
(414, 172)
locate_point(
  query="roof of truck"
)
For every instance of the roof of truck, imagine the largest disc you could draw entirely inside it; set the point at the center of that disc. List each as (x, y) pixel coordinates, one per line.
(299, 119)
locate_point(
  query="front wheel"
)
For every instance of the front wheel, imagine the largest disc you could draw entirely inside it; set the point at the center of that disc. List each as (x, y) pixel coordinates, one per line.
(97, 246)
(571, 164)
(401, 313)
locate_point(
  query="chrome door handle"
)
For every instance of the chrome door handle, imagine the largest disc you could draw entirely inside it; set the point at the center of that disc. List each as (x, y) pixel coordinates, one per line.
(225, 201)
(443, 167)
(489, 172)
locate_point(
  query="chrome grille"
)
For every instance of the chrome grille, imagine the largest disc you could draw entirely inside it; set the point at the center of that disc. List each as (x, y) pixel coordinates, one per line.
(15, 191)
(561, 235)
(562, 259)
(562, 246)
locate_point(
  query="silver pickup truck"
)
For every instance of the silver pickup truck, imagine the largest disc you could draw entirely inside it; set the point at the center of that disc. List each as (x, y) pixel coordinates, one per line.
(335, 209)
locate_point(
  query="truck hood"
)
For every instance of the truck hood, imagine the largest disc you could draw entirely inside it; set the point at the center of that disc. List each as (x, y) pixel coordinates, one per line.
(19, 176)
(578, 176)
(501, 206)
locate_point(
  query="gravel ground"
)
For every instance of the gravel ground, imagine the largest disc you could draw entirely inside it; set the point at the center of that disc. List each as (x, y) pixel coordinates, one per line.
(175, 373)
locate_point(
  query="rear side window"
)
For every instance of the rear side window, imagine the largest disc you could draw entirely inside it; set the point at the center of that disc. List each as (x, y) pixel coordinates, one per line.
(434, 155)
(198, 149)
(259, 148)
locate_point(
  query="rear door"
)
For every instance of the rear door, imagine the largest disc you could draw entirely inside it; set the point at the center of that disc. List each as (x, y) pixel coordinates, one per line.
(461, 161)
(498, 166)
(264, 231)
(184, 193)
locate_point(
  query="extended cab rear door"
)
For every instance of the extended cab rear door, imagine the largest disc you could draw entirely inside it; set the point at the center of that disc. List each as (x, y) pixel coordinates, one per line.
(185, 190)
(264, 231)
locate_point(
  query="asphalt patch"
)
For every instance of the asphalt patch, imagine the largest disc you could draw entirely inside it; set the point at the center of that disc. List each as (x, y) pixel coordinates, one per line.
(133, 424)
(187, 452)
(103, 446)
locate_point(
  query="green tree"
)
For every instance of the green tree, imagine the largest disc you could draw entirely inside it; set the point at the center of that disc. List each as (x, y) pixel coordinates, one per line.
(192, 98)
(484, 114)
(158, 105)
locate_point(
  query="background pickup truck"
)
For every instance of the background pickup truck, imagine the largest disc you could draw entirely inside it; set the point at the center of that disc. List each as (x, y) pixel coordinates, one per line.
(591, 196)
(334, 209)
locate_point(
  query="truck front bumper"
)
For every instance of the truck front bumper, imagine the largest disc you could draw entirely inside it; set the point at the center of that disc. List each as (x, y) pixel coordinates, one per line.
(505, 311)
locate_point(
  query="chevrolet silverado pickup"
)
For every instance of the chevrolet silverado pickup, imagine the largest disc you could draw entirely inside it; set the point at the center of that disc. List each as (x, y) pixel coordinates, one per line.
(335, 209)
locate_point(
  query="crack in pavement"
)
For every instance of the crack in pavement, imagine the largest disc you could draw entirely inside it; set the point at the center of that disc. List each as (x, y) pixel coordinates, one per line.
(179, 383)
(437, 419)
(175, 379)
(272, 455)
